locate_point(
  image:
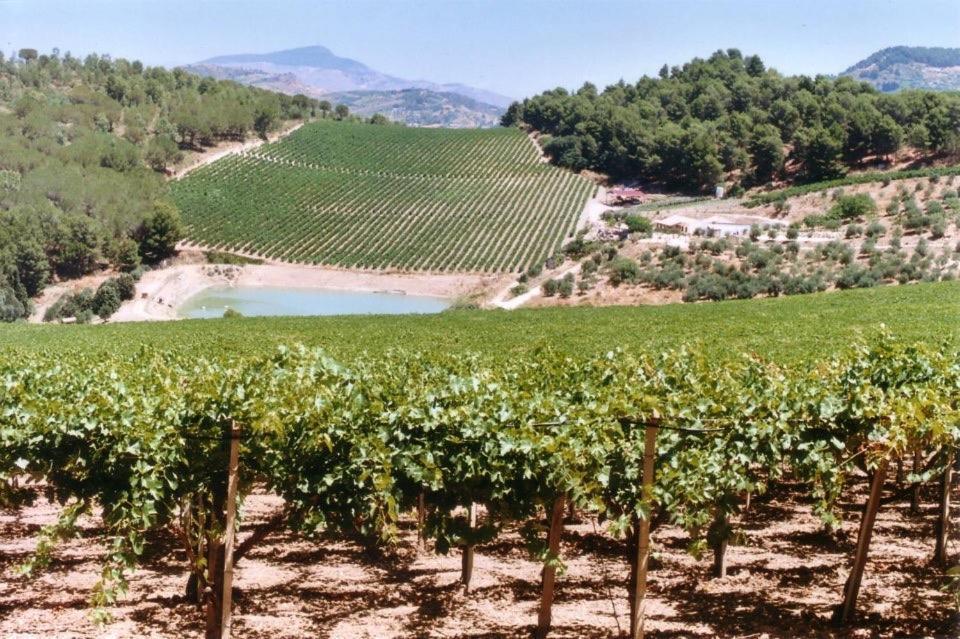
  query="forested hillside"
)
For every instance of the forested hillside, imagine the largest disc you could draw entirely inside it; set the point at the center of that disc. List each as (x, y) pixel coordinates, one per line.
(83, 144)
(731, 118)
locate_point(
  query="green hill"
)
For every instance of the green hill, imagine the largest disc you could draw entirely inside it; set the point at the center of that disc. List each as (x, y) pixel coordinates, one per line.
(84, 144)
(729, 118)
(362, 195)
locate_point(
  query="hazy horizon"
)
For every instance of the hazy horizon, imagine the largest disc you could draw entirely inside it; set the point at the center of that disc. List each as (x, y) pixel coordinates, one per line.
(516, 49)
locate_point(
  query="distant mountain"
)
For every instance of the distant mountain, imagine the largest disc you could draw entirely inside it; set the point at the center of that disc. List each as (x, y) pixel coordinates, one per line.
(422, 107)
(896, 68)
(318, 72)
(282, 82)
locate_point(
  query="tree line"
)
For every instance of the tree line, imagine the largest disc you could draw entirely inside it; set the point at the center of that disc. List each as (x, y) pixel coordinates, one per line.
(730, 117)
(83, 143)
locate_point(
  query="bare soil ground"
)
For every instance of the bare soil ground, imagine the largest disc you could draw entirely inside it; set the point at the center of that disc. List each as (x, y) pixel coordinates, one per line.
(785, 577)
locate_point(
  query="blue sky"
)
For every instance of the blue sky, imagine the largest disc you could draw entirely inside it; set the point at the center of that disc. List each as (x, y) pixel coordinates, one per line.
(515, 47)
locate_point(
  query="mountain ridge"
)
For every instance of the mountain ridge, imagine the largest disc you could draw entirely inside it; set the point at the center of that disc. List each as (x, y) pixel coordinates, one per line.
(318, 72)
(902, 67)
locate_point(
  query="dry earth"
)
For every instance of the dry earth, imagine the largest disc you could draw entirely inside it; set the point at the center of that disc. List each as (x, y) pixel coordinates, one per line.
(785, 577)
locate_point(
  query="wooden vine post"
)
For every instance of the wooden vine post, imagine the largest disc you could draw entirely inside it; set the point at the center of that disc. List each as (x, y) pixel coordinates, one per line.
(550, 569)
(421, 518)
(220, 556)
(915, 493)
(721, 540)
(852, 588)
(466, 559)
(943, 521)
(641, 559)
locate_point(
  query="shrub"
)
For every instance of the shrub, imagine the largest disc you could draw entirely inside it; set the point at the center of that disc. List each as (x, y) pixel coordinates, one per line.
(780, 204)
(566, 286)
(875, 229)
(519, 289)
(465, 303)
(938, 229)
(638, 224)
(126, 286)
(850, 207)
(578, 248)
(126, 255)
(11, 308)
(535, 270)
(106, 301)
(551, 287)
(232, 313)
(623, 270)
(71, 305)
(792, 232)
(854, 276)
(853, 230)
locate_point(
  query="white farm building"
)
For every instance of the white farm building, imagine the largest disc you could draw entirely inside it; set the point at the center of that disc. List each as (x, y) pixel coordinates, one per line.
(713, 225)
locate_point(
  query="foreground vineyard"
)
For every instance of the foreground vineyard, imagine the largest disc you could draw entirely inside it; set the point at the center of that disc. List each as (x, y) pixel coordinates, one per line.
(351, 448)
(367, 196)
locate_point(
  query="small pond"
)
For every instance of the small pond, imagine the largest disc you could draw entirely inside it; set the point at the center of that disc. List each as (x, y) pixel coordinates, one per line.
(257, 301)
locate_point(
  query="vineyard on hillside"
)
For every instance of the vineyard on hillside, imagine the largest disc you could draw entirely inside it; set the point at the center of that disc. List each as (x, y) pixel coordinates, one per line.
(365, 196)
(474, 446)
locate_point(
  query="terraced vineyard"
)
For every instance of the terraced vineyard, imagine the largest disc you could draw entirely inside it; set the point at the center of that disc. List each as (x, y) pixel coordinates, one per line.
(366, 196)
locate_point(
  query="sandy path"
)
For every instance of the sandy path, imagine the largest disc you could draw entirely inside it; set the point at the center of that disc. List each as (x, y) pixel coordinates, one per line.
(161, 292)
(505, 301)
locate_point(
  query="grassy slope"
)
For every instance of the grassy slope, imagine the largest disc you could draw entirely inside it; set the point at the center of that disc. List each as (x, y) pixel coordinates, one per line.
(784, 328)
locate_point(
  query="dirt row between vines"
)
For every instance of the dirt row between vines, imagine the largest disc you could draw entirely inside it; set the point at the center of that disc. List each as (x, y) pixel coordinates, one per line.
(785, 577)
